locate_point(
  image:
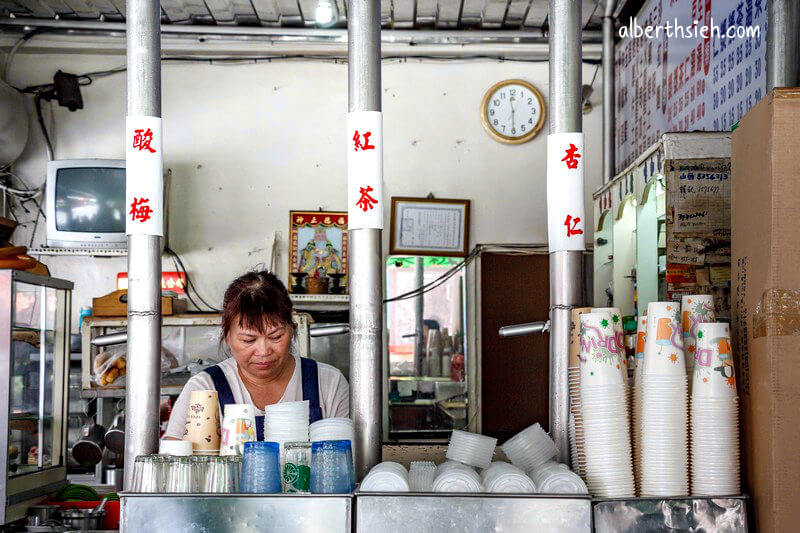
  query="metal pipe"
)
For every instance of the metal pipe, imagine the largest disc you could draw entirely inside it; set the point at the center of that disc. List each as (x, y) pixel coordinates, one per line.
(120, 337)
(566, 267)
(783, 44)
(142, 396)
(419, 316)
(298, 34)
(366, 257)
(326, 330)
(608, 92)
(524, 329)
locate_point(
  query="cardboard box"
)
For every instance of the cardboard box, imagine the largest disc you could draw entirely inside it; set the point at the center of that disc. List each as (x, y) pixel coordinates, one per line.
(766, 269)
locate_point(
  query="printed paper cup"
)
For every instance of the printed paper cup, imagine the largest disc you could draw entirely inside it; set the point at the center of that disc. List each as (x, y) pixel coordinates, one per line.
(714, 374)
(695, 309)
(575, 336)
(619, 336)
(600, 361)
(202, 422)
(238, 427)
(663, 350)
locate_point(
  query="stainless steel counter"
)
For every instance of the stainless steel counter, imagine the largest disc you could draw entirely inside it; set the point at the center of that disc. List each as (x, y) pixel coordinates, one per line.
(718, 514)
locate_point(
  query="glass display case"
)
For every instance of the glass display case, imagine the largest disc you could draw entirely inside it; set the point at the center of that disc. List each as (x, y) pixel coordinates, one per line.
(34, 365)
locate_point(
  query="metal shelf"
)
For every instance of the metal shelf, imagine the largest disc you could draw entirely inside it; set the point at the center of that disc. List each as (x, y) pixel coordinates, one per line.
(167, 390)
(421, 378)
(102, 252)
(321, 302)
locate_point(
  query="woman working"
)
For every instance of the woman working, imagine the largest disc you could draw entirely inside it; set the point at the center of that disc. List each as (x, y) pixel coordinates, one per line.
(257, 326)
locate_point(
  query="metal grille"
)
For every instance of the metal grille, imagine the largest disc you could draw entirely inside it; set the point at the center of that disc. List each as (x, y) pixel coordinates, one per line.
(397, 14)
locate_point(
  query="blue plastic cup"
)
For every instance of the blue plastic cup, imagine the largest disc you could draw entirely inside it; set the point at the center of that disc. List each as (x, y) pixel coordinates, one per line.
(261, 468)
(332, 467)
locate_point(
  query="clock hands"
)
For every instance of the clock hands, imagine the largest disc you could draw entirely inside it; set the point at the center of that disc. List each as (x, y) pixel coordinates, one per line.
(511, 101)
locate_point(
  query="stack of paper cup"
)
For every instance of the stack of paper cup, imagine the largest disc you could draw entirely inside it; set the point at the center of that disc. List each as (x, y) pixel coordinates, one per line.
(664, 423)
(604, 406)
(238, 427)
(714, 414)
(529, 448)
(453, 476)
(421, 475)
(554, 478)
(286, 422)
(471, 448)
(695, 308)
(178, 448)
(202, 422)
(505, 477)
(574, 378)
(619, 337)
(641, 335)
(386, 477)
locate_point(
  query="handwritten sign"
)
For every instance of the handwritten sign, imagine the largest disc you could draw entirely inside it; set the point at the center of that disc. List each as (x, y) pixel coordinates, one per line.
(699, 196)
(566, 221)
(144, 180)
(689, 251)
(365, 169)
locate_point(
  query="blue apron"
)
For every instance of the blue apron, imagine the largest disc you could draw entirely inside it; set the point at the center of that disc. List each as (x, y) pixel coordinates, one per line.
(308, 373)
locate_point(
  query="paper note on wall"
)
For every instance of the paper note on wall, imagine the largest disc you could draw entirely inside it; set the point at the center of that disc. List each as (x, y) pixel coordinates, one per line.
(144, 180)
(566, 221)
(699, 195)
(365, 169)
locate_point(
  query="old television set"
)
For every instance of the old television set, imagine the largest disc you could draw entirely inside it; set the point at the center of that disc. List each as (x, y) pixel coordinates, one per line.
(86, 204)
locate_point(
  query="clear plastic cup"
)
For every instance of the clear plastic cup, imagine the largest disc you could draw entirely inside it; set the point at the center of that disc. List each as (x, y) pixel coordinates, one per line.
(261, 468)
(332, 467)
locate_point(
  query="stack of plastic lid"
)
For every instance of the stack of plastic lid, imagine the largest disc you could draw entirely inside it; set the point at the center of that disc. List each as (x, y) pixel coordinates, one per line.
(386, 477)
(471, 449)
(554, 478)
(453, 476)
(604, 406)
(664, 415)
(505, 477)
(286, 422)
(331, 429)
(714, 414)
(421, 476)
(530, 448)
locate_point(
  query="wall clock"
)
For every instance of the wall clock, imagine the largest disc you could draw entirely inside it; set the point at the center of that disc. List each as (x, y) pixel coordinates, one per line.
(513, 111)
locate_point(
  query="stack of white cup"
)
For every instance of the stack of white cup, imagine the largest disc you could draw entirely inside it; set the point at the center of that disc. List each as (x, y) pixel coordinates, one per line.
(664, 422)
(386, 477)
(604, 407)
(636, 426)
(619, 337)
(453, 476)
(471, 448)
(530, 448)
(421, 475)
(286, 422)
(574, 378)
(714, 414)
(505, 477)
(554, 478)
(695, 308)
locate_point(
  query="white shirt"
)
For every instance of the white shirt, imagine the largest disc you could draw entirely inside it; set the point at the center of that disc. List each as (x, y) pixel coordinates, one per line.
(334, 393)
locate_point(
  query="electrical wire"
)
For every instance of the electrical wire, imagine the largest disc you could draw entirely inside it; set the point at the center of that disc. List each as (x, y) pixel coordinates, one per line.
(37, 100)
(189, 285)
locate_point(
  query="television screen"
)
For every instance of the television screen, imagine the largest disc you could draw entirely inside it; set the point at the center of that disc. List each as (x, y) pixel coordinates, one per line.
(90, 200)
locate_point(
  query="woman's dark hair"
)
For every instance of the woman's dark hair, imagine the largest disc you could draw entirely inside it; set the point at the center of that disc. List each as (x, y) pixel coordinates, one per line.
(256, 300)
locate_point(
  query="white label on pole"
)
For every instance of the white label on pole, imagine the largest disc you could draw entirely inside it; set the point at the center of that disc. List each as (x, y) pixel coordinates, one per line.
(144, 179)
(365, 170)
(566, 222)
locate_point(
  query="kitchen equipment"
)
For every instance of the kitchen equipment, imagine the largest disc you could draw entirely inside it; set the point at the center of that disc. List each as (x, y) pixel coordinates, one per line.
(83, 519)
(115, 436)
(39, 514)
(114, 477)
(88, 451)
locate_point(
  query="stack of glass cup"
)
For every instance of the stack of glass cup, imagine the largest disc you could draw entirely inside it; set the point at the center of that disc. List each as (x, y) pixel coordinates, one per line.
(332, 467)
(604, 407)
(186, 474)
(695, 308)
(261, 471)
(664, 401)
(636, 420)
(471, 448)
(505, 477)
(530, 448)
(714, 414)
(577, 453)
(387, 476)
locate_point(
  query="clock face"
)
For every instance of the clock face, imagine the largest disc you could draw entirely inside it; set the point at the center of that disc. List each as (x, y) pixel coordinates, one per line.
(513, 111)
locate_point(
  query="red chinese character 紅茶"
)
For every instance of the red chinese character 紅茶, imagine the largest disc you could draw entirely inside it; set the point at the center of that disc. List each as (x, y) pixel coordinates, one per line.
(142, 139)
(360, 144)
(139, 211)
(571, 159)
(366, 202)
(572, 226)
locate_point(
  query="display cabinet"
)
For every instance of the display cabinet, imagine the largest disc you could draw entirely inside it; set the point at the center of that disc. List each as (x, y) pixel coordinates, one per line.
(34, 366)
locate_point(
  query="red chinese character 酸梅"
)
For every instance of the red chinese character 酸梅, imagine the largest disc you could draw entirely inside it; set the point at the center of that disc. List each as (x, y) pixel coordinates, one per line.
(139, 211)
(571, 159)
(366, 202)
(142, 139)
(572, 226)
(362, 145)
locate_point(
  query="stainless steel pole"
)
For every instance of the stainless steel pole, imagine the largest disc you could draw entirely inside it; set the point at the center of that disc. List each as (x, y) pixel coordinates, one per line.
(366, 257)
(608, 91)
(566, 267)
(419, 317)
(783, 43)
(142, 396)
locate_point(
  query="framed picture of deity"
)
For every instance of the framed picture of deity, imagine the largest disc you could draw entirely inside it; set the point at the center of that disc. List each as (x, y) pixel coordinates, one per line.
(318, 252)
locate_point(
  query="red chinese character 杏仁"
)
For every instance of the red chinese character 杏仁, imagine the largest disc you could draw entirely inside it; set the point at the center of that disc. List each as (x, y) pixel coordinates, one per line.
(142, 140)
(363, 145)
(572, 157)
(139, 211)
(572, 226)
(366, 202)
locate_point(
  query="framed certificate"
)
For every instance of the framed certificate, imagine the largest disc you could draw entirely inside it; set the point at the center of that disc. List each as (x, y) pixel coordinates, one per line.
(429, 226)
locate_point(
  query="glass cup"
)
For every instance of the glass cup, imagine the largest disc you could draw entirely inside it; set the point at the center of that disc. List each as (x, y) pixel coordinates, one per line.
(297, 467)
(332, 467)
(200, 470)
(181, 475)
(149, 473)
(261, 468)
